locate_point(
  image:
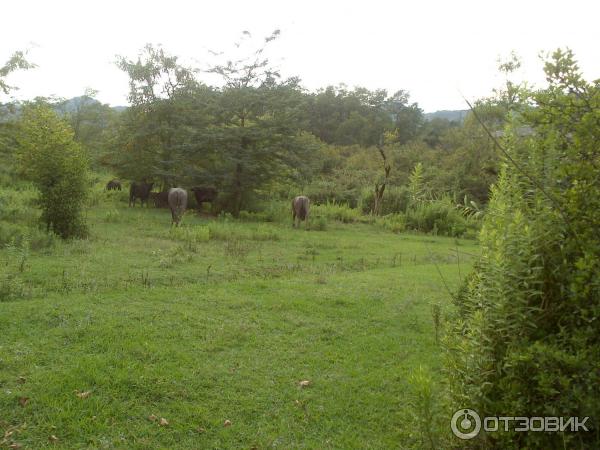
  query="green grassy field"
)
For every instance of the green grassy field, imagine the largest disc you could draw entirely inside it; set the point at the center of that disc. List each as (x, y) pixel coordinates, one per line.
(220, 321)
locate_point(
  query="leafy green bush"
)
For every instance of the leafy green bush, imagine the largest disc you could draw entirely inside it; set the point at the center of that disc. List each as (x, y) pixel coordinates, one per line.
(58, 168)
(437, 217)
(335, 211)
(525, 339)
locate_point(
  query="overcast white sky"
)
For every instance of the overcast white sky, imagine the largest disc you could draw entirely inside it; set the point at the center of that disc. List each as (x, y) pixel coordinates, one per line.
(434, 49)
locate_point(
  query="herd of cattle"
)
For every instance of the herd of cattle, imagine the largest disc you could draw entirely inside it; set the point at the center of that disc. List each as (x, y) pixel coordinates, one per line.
(176, 199)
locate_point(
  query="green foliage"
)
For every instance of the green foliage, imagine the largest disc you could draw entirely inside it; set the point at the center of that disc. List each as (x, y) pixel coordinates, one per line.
(336, 211)
(94, 125)
(396, 223)
(330, 190)
(437, 217)
(342, 117)
(395, 200)
(58, 168)
(427, 418)
(17, 61)
(417, 190)
(12, 285)
(524, 340)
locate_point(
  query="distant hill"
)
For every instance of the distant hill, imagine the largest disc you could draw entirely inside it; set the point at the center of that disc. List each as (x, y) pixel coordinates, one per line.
(451, 115)
(71, 105)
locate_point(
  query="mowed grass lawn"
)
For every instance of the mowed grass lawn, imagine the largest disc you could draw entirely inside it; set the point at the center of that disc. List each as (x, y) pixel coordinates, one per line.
(138, 324)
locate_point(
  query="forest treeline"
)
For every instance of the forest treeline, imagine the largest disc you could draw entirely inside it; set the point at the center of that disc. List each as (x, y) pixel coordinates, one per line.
(260, 136)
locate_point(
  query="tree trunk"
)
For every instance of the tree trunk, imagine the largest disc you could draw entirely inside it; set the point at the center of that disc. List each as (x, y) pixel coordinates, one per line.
(380, 189)
(237, 191)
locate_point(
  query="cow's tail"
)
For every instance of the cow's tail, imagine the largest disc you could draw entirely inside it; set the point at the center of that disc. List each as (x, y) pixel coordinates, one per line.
(179, 201)
(303, 210)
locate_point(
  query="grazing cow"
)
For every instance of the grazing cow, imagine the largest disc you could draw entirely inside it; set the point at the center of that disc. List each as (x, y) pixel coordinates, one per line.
(177, 203)
(300, 208)
(204, 194)
(113, 185)
(160, 199)
(141, 191)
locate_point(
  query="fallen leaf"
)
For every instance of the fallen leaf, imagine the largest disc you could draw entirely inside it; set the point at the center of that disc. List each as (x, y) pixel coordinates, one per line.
(153, 418)
(305, 383)
(83, 394)
(15, 445)
(23, 401)
(200, 430)
(163, 422)
(53, 438)
(227, 423)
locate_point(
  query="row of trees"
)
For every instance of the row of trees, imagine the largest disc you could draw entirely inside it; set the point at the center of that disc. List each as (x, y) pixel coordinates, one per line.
(255, 131)
(257, 134)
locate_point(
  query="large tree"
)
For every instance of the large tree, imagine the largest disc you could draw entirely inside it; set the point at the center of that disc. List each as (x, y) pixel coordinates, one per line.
(154, 132)
(257, 127)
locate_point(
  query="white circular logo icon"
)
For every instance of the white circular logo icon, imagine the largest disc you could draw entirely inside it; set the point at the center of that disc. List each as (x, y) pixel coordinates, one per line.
(465, 424)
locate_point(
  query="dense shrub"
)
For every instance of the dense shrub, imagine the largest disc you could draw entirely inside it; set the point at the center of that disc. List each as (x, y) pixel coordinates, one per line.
(437, 217)
(58, 168)
(525, 341)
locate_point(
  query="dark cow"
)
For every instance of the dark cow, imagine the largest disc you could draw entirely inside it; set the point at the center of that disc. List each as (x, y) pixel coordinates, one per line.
(113, 185)
(141, 191)
(177, 203)
(160, 199)
(300, 209)
(204, 194)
